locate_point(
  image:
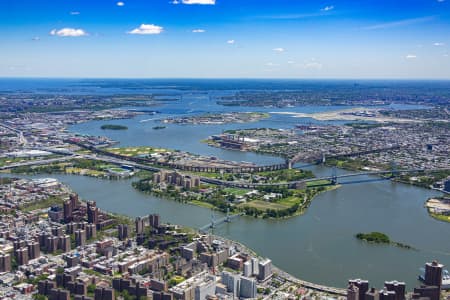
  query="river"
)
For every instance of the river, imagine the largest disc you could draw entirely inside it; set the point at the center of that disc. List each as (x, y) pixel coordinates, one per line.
(318, 246)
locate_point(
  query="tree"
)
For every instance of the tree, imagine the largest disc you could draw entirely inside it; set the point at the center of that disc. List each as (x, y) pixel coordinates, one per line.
(91, 288)
(126, 295)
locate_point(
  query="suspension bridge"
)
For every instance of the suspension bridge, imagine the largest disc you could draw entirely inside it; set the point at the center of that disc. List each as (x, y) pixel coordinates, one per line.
(216, 222)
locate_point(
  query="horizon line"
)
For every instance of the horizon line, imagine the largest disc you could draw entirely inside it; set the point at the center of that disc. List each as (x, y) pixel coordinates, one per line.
(228, 78)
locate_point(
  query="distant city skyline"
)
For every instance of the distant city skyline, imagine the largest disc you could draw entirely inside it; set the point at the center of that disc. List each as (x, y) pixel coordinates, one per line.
(225, 39)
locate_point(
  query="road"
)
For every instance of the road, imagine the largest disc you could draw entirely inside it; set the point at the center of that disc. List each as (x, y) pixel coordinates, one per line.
(244, 249)
(19, 133)
(235, 184)
(38, 162)
(249, 185)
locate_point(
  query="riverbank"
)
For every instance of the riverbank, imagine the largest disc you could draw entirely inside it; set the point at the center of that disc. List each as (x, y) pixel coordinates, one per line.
(279, 272)
(323, 226)
(269, 202)
(439, 208)
(116, 219)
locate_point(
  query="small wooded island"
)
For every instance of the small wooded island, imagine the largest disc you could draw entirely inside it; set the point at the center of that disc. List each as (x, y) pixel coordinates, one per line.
(380, 238)
(113, 127)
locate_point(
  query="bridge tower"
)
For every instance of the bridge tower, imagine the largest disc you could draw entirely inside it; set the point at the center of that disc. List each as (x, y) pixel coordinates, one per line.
(213, 220)
(228, 219)
(394, 169)
(334, 176)
(288, 163)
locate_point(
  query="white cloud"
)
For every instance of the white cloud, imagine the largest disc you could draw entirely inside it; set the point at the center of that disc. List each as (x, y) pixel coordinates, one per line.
(445, 55)
(147, 29)
(400, 23)
(74, 13)
(120, 3)
(291, 62)
(271, 64)
(328, 8)
(438, 44)
(175, 2)
(411, 56)
(313, 65)
(201, 2)
(278, 49)
(72, 32)
(198, 30)
(231, 42)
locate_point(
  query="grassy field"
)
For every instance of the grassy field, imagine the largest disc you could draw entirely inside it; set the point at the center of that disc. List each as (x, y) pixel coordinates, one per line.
(317, 182)
(4, 161)
(88, 172)
(290, 201)
(135, 151)
(263, 205)
(236, 191)
(76, 167)
(202, 204)
(286, 175)
(441, 217)
(42, 204)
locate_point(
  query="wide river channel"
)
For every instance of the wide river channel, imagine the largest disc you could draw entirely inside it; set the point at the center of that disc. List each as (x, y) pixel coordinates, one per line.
(318, 246)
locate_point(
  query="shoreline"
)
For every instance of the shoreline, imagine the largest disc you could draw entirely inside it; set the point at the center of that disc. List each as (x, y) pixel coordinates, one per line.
(441, 204)
(286, 275)
(240, 209)
(289, 277)
(245, 249)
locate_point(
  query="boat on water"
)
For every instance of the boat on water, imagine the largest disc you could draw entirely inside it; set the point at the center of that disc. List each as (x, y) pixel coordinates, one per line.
(445, 278)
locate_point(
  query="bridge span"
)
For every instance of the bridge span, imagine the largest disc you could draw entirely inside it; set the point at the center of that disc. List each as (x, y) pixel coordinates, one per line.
(227, 219)
(182, 167)
(298, 183)
(139, 164)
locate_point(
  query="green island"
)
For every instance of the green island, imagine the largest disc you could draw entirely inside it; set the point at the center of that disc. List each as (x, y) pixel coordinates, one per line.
(263, 202)
(380, 238)
(113, 127)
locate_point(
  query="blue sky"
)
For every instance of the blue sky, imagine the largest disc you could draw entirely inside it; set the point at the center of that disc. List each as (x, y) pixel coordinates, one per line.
(225, 38)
